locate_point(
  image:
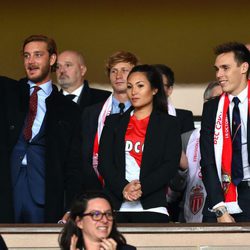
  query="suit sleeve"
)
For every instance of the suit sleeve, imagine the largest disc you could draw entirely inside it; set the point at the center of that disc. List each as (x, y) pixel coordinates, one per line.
(208, 167)
(163, 166)
(73, 176)
(90, 179)
(186, 120)
(114, 176)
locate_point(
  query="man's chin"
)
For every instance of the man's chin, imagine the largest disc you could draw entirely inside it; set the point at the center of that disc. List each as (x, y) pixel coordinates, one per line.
(120, 91)
(35, 79)
(64, 85)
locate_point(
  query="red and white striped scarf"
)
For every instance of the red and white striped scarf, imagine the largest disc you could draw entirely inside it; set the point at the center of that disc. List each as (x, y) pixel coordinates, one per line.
(223, 153)
(106, 110)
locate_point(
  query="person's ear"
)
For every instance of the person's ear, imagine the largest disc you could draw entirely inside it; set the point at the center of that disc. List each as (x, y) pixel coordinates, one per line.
(83, 70)
(52, 59)
(244, 67)
(79, 222)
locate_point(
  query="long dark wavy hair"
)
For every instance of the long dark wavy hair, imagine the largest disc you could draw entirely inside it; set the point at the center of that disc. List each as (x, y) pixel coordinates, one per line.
(77, 210)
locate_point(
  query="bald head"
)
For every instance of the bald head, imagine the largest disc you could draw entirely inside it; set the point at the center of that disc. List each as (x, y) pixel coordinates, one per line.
(70, 70)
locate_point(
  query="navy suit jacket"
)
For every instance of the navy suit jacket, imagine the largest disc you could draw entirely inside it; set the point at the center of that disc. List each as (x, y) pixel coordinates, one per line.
(160, 160)
(63, 173)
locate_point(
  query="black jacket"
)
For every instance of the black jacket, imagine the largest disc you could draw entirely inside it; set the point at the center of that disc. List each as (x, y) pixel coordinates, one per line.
(160, 160)
(63, 173)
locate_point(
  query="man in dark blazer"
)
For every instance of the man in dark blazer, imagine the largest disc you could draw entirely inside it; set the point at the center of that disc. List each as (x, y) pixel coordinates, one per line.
(40, 174)
(184, 116)
(70, 71)
(217, 152)
(118, 67)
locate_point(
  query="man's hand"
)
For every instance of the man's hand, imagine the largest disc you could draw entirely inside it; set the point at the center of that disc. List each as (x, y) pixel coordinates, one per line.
(183, 161)
(226, 217)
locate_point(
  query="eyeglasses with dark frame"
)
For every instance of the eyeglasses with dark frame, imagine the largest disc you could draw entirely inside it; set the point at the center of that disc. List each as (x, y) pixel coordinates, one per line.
(98, 215)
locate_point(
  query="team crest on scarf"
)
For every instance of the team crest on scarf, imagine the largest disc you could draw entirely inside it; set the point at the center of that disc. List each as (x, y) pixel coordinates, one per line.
(196, 199)
(226, 180)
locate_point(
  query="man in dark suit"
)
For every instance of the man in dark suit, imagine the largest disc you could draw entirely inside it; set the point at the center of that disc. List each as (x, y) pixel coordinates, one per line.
(41, 164)
(225, 139)
(70, 71)
(186, 123)
(118, 67)
(184, 116)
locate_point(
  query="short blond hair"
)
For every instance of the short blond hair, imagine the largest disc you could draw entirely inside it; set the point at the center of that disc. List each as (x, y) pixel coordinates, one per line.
(121, 56)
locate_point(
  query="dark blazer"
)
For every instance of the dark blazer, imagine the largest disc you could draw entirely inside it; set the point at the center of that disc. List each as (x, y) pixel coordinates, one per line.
(63, 148)
(89, 128)
(185, 119)
(208, 166)
(90, 96)
(160, 160)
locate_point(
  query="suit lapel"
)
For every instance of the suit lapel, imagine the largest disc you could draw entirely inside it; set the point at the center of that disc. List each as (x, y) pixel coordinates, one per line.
(18, 109)
(151, 140)
(85, 96)
(120, 141)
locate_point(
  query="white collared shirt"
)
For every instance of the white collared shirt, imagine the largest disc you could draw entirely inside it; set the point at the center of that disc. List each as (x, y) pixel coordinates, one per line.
(76, 92)
(243, 107)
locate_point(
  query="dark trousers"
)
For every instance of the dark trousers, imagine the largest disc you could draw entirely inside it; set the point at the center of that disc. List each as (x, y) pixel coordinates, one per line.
(25, 208)
(244, 203)
(141, 217)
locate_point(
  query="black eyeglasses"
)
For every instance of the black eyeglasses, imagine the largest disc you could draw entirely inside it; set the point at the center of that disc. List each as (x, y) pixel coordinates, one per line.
(98, 215)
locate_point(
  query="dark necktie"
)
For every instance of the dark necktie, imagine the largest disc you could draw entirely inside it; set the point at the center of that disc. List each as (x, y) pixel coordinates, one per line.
(237, 166)
(70, 97)
(31, 115)
(122, 107)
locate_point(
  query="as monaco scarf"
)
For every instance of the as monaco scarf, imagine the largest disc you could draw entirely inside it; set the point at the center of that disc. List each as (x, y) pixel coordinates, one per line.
(223, 153)
(195, 191)
(106, 110)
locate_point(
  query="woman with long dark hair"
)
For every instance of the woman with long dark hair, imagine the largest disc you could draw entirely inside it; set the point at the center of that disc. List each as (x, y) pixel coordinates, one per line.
(92, 226)
(140, 150)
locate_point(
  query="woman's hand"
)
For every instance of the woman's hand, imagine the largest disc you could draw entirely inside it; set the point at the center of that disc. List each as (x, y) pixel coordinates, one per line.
(74, 239)
(132, 191)
(108, 244)
(183, 161)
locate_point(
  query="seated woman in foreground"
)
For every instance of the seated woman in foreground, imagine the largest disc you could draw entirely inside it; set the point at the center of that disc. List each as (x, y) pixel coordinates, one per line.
(92, 226)
(140, 151)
